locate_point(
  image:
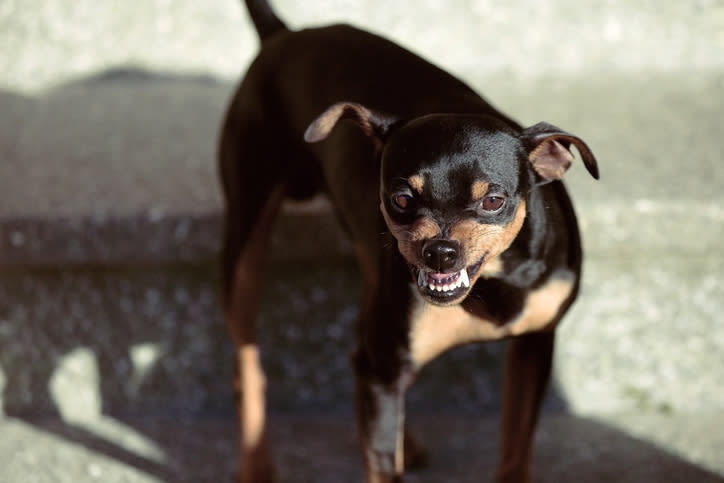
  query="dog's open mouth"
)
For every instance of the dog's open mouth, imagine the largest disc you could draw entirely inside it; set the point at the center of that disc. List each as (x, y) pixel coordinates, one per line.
(443, 282)
(445, 287)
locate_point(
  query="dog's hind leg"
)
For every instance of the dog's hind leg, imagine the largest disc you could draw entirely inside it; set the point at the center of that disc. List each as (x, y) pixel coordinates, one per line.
(253, 197)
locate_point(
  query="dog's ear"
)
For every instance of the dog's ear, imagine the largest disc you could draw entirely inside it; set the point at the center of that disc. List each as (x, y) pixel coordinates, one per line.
(549, 151)
(374, 124)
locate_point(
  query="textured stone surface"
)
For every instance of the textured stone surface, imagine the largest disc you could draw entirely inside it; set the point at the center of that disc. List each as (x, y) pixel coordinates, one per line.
(47, 316)
(129, 205)
(151, 341)
(47, 41)
(109, 224)
(323, 448)
(646, 335)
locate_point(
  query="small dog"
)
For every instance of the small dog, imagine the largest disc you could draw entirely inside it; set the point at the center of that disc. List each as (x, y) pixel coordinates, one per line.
(461, 225)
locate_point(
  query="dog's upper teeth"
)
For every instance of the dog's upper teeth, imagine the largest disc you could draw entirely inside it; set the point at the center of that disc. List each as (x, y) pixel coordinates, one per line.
(464, 278)
(437, 282)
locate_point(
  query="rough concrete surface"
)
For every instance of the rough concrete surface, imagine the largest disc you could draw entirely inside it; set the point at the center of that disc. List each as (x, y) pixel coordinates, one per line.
(652, 228)
(114, 362)
(46, 41)
(316, 448)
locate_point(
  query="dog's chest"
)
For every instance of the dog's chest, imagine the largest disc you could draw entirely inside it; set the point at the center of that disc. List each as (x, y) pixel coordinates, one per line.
(435, 329)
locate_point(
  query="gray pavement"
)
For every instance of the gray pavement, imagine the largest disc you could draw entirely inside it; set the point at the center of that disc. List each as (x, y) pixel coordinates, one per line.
(109, 228)
(322, 448)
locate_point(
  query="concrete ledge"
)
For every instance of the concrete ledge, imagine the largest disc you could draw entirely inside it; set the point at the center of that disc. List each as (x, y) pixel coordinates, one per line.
(301, 235)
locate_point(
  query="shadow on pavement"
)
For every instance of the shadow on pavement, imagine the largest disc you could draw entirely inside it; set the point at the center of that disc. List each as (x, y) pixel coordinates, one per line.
(322, 448)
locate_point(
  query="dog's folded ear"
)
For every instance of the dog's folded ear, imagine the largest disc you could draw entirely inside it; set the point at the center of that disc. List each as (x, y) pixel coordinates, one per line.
(375, 125)
(549, 151)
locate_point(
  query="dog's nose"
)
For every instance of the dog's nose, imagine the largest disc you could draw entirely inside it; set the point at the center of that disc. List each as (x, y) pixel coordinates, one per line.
(440, 255)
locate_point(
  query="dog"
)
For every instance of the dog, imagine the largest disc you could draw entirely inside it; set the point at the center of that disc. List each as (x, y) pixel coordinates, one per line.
(461, 225)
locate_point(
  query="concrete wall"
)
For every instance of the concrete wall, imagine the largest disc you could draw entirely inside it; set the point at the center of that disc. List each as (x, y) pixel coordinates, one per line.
(43, 42)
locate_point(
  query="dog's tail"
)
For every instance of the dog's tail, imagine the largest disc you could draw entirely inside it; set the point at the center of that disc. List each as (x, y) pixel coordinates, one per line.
(265, 20)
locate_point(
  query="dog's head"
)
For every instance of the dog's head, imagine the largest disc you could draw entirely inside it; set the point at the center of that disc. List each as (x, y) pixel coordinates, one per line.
(453, 187)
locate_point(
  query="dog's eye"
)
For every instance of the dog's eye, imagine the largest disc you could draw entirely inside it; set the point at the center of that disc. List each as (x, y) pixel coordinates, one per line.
(402, 201)
(493, 203)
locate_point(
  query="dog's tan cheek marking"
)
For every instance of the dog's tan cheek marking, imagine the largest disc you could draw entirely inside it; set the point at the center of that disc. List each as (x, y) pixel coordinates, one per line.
(410, 245)
(478, 190)
(474, 238)
(417, 183)
(435, 329)
(253, 387)
(408, 237)
(490, 240)
(511, 230)
(542, 306)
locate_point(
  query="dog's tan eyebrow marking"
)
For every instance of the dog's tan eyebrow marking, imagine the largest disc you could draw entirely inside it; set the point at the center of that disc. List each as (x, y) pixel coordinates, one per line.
(478, 190)
(416, 182)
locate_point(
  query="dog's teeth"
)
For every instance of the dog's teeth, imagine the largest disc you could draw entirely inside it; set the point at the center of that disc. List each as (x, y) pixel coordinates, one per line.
(464, 278)
(421, 279)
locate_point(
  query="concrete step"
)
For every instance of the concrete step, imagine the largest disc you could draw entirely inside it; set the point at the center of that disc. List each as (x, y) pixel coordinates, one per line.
(109, 227)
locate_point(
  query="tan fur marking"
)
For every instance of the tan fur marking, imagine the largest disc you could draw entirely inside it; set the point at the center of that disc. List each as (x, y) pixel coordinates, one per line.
(475, 238)
(253, 386)
(435, 329)
(489, 240)
(542, 306)
(417, 183)
(510, 231)
(410, 237)
(478, 190)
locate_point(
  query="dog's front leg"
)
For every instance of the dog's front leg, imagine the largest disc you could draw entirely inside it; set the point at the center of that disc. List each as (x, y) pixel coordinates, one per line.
(381, 414)
(527, 370)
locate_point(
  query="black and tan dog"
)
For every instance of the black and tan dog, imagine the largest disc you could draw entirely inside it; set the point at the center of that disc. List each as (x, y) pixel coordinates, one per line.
(463, 231)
